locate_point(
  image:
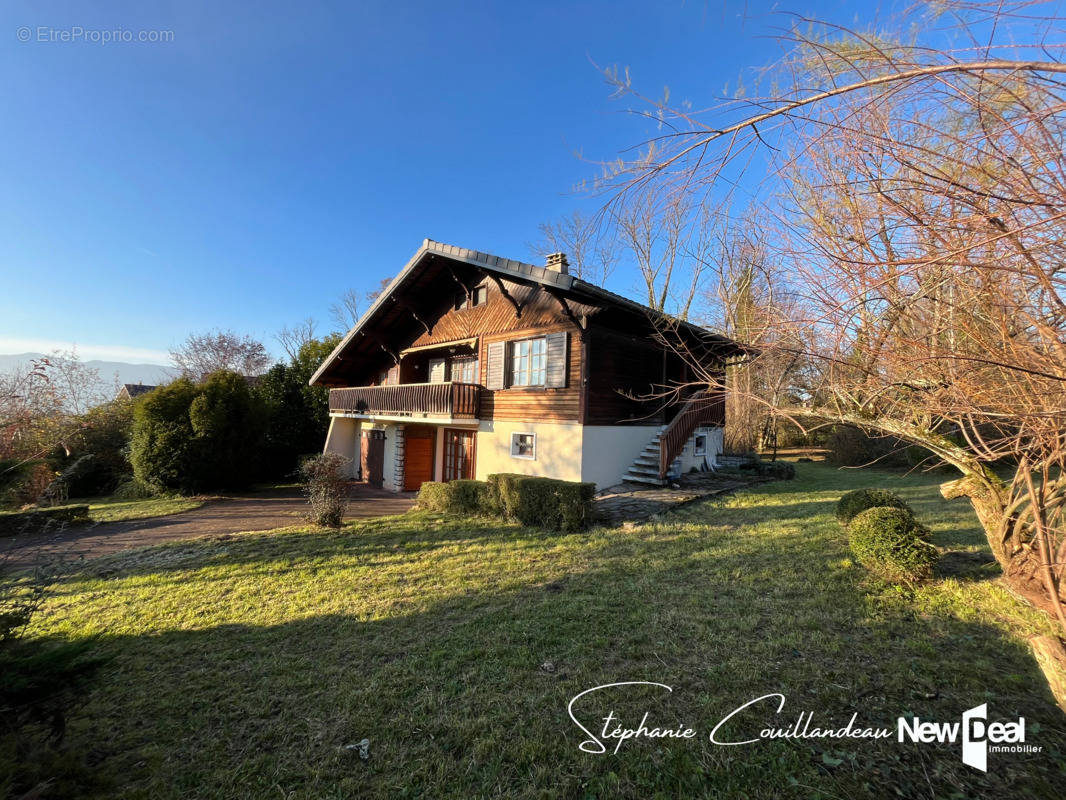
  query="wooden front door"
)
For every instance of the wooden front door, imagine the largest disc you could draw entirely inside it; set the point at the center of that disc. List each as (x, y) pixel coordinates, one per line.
(372, 457)
(458, 454)
(418, 456)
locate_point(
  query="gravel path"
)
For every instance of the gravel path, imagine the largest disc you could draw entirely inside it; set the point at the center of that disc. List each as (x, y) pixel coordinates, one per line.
(252, 512)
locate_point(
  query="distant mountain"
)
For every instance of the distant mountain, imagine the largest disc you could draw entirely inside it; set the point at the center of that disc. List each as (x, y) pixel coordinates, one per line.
(152, 374)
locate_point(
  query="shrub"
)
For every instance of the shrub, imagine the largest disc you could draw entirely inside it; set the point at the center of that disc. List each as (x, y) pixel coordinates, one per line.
(778, 470)
(132, 489)
(544, 502)
(889, 541)
(326, 487)
(297, 414)
(23, 482)
(102, 437)
(849, 446)
(192, 437)
(861, 499)
(459, 497)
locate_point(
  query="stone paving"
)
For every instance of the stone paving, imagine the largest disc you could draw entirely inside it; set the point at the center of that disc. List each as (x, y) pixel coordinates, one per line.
(628, 504)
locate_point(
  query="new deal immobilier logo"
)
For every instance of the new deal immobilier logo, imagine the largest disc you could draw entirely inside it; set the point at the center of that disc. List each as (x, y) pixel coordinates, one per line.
(979, 737)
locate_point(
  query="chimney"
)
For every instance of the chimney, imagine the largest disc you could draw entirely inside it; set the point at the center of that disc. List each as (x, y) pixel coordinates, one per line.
(558, 263)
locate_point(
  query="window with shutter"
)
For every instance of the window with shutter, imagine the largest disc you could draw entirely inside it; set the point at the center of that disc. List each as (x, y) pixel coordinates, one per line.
(528, 362)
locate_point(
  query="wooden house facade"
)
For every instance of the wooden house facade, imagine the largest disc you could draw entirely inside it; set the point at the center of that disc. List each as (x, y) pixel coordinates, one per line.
(469, 364)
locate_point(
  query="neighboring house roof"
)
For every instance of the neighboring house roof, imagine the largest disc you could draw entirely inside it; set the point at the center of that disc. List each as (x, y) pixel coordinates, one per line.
(132, 390)
(521, 272)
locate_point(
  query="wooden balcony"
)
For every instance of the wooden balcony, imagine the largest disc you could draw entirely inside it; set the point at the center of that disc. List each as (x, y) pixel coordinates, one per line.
(415, 400)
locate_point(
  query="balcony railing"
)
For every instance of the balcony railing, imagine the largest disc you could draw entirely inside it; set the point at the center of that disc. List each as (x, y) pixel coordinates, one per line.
(457, 400)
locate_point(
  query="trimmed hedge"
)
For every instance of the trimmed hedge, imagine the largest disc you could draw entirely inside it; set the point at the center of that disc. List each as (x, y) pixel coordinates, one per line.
(459, 497)
(857, 501)
(539, 502)
(544, 502)
(39, 519)
(889, 541)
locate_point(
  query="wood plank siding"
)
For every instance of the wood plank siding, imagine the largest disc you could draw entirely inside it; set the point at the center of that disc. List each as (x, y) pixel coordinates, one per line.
(536, 403)
(620, 365)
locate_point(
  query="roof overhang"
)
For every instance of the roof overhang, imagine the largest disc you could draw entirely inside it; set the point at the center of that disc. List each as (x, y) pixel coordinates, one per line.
(502, 267)
(554, 281)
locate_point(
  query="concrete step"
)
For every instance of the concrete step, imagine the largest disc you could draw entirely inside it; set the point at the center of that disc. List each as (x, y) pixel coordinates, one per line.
(644, 468)
(643, 479)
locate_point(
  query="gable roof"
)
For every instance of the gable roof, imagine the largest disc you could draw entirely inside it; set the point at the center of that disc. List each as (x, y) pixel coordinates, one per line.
(521, 272)
(135, 389)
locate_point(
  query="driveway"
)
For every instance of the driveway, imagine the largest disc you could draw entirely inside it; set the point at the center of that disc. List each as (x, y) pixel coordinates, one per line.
(230, 514)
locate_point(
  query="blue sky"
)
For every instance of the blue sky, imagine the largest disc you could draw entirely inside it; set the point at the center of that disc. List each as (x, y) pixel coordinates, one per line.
(272, 155)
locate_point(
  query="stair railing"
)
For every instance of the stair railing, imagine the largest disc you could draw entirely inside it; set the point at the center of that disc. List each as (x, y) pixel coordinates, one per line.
(703, 408)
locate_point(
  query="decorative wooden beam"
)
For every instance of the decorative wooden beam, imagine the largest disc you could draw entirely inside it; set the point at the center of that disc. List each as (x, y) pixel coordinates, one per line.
(463, 286)
(504, 292)
(410, 309)
(580, 323)
(383, 345)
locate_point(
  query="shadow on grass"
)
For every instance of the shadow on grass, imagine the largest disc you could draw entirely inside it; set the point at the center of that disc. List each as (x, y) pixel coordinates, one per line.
(465, 695)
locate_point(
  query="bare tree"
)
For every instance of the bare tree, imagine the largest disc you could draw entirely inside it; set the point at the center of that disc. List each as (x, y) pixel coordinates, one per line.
(669, 235)
(374, 294)
(591, 250)
(294, 338)
(345, 312)
(78, 386)
(919, 209)
(749, 302)
(203, 353)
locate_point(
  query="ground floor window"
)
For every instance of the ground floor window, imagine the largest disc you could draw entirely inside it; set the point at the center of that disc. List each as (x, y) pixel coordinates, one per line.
(700, 444)
(524, 445)
(458, 454)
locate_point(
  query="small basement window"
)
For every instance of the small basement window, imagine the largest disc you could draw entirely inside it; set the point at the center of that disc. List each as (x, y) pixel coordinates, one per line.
(699, 446)
(524, 445)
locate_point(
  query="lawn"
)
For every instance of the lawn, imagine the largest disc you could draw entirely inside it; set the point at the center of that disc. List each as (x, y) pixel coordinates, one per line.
(245, 668)
(108, 509)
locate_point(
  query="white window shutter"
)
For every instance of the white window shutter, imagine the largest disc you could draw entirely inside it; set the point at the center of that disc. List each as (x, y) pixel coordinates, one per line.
(436, 370)
(557, 362)
(494, 353)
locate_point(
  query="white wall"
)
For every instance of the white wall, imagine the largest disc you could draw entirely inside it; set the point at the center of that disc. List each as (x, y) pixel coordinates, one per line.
(558, 454)
(609, 450)
(715, 444)
(343, 438)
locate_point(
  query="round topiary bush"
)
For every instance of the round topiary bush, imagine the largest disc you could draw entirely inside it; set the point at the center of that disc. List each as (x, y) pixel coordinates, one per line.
(861, 499)
(890, 542)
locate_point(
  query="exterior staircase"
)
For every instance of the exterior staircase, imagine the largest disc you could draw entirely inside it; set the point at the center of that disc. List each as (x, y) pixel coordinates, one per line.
(645, 468)
(661, 453)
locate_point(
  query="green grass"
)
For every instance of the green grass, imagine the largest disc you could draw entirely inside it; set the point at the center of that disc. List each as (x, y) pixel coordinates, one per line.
(241, 668)
(108, 509)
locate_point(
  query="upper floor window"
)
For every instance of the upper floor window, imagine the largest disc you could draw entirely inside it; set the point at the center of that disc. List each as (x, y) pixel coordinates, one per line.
(528, 362)
(475, 297)
(464, 369)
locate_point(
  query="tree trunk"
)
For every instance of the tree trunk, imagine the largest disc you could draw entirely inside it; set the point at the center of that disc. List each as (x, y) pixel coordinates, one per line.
(1021, 564)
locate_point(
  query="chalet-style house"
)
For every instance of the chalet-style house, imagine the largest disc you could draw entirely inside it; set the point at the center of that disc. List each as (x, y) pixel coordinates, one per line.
(470, 364)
